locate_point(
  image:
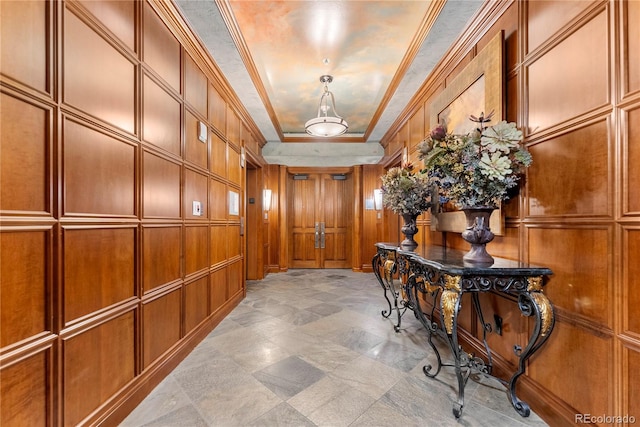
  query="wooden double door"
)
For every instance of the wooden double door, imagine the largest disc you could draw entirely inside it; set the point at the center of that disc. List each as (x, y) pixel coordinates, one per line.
(320, 220)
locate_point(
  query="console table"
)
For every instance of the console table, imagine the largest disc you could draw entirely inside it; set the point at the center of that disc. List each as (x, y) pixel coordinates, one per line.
(441, 274)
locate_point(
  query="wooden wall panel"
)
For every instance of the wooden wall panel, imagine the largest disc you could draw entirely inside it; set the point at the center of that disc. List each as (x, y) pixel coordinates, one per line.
(582, 270)
(632, 389)
(234, 278)
(218, 198)
(161, 117)
(417, 128)
(195, 86)
(631, 42)
(160, 256)
(25, 43)
(26, 392)
(160, 325)
(117, 16)
(97, 363)
(218, 162)
(233, 126)
(100, 180)
(217, 110)
(195, 189)
(561, 368)
(24, 167)
(583, 84)
(514, 326)
(631, 280)
(546, 17)
(578, 162)
(25, 290)
(196, 299)
(630, 170)
(218, 243)
(506, 246)
(161, 50)
(86, 56)
(195, 150)
(99, 269)
(218, 294)
(161, 187)
(234, 240)
(196, 253)
(233, 165)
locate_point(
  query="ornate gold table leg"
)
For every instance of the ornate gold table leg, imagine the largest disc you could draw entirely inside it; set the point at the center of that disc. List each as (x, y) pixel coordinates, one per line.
(384, 267)
(450, 306)
(531, 303)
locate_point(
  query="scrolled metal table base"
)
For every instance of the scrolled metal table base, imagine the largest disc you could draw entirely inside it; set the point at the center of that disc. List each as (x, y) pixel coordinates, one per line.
(446, 284)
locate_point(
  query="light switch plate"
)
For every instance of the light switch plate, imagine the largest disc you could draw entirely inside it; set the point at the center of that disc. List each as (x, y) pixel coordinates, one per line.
(197, 208)
(202, 132)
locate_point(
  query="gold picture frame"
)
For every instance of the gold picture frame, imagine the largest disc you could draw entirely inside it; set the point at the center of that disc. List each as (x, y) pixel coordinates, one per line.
(478, 88)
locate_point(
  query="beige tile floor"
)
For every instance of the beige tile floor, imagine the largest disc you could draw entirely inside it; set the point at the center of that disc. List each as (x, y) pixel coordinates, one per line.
(310, 348)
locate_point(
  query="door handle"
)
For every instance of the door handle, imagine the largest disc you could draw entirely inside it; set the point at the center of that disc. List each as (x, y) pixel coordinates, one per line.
(316, 240)
(322, 235)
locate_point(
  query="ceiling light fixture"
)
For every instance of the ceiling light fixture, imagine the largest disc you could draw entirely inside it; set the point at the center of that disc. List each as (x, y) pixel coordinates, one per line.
(326, 125)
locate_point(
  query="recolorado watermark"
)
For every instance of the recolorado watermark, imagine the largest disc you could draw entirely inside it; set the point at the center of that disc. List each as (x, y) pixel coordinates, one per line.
(604, 419)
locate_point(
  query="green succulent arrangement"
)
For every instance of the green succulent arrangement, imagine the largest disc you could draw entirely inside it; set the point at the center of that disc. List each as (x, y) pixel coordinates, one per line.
(476, 169)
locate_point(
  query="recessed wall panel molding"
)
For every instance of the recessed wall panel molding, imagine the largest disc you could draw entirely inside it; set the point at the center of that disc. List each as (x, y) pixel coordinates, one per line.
(161, 117)
(632, 383)
(26, 390)
(631, 46)
(26, 43)
(578, 162)
(196, 298)
(25, 163)
(218, 292)
(546, 18)
(97, 363)
(98, 270)
(117, 16)
(195, 86)
(218, 162)
(195, 190)
(234, 277)
(560, 367)
(233, 165)
(99, 172)
(583, 84)
(630, 171)
(218, 243)
(97, 78)
(161, 50)
(218, 198)
(160, 255)
(631, 280)
(217, 110)
(582, 281)
(26, 286)
(234, 241)
(196, 249)
(161, 320)
(196, 149)
(160, 186)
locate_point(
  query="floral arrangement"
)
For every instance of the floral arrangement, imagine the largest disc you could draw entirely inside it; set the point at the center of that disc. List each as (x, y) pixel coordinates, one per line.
(405, 191)
(477, 169)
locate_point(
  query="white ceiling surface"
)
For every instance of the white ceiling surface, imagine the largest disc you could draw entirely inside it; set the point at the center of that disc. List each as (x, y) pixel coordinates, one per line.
(205, 20)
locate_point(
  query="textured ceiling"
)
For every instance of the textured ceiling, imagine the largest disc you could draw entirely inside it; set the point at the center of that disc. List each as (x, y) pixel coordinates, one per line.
(274, 52)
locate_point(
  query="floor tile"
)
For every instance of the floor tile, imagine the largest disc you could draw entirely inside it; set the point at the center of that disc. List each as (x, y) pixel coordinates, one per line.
(311, 348)
(289, 376)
